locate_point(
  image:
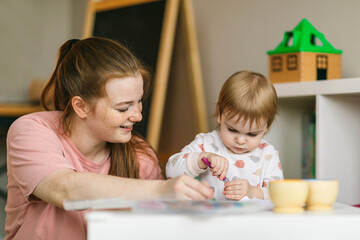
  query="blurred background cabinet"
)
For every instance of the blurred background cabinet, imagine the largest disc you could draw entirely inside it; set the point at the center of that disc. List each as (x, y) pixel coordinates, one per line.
(337, 107)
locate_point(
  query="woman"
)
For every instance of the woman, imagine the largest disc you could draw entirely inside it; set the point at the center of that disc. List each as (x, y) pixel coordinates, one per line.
(83, 146)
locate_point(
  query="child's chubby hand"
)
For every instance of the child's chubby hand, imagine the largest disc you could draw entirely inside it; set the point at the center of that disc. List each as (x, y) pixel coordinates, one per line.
(237, 189)
(219, 165)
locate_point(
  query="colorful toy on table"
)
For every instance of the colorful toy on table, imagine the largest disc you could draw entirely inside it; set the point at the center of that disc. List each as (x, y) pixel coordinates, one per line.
(197, 207)
(204, 159)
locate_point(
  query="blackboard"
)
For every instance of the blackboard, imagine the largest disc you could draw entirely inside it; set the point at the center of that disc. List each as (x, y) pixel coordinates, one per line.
(147, 28)
(138, 27)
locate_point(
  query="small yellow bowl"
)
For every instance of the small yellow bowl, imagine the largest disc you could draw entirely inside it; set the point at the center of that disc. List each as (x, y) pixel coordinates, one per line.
(289, 196)
(322, 194)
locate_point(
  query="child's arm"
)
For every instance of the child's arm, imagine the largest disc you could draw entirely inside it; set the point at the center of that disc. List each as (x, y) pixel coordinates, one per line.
(183, 163)
(188, 161)
(239, 188)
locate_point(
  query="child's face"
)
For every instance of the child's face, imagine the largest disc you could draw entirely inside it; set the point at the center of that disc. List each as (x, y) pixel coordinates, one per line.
(238, 137)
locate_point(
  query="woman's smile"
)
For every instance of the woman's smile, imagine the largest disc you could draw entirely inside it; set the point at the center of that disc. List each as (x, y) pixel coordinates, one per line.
(127, 128)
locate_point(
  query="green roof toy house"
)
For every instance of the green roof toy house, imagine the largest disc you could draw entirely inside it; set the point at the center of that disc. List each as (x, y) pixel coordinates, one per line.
(304, 55)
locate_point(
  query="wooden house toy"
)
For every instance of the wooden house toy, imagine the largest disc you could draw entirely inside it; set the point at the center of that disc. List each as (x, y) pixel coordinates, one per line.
(304, 55)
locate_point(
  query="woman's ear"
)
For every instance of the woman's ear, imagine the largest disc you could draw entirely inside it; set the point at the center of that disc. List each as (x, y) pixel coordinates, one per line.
(81, 107)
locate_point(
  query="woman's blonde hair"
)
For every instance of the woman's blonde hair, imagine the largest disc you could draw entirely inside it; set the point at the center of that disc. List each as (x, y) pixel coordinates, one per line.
(82, 69)
(249, 96)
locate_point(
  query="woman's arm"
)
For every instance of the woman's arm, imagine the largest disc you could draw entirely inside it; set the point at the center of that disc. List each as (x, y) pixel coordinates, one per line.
(66, 184)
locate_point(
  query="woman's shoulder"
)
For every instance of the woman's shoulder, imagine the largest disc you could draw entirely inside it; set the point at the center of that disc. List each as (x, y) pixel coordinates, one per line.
(44, 116)
(36, 121)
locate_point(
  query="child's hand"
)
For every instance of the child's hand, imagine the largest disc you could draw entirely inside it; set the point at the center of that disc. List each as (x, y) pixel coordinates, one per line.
(237, 189)
(219, 165)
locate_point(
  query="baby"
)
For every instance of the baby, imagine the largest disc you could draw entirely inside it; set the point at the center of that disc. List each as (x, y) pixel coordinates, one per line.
(241, 162)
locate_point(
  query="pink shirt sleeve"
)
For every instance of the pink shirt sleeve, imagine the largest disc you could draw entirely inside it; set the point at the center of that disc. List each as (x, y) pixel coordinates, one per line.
(34, 152)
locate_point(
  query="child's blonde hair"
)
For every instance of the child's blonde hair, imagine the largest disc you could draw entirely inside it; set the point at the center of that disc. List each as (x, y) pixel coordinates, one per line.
(249, 96)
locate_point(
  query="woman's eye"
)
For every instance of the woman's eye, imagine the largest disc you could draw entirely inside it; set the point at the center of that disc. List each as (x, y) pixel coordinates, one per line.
(123, 110)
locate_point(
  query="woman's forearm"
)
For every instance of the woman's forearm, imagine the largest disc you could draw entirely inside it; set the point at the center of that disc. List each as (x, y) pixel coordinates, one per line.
(69, 185)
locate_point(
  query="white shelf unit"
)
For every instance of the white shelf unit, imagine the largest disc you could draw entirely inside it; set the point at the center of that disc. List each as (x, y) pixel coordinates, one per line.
(337, 105)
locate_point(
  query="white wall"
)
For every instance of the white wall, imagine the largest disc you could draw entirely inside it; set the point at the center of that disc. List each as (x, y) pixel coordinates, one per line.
(31, 33)
(232, 35)
(235, 34)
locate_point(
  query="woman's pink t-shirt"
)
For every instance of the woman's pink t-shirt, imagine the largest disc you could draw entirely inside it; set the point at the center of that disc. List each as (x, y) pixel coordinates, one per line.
(35, 149)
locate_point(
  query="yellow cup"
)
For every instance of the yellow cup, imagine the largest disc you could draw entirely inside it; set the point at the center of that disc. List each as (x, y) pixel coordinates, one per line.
(289, 196)
(322, 194)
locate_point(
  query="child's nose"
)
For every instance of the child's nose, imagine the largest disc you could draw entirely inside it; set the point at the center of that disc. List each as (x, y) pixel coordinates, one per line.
(240, 139)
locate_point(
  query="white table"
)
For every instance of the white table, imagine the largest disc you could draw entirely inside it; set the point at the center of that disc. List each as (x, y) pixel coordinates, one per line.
(343, 222)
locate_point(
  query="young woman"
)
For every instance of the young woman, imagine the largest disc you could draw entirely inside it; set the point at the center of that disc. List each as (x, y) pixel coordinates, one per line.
(83, 146)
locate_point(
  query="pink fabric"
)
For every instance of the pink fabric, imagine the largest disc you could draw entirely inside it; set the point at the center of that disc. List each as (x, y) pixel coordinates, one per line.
(34, 150)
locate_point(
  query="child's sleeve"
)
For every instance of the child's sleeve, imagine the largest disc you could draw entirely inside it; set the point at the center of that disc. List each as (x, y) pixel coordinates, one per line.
(273, 172)
(185, 162)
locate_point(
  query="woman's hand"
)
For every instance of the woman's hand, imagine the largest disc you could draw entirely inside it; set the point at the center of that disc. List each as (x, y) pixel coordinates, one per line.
(219, 165)
(239, 188)
(67, 185)
(188, 188)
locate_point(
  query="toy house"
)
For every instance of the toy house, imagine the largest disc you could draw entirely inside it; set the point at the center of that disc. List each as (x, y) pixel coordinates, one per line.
(304, 55)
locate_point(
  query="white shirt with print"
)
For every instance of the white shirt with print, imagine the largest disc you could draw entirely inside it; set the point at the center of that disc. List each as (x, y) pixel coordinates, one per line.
(258, 167)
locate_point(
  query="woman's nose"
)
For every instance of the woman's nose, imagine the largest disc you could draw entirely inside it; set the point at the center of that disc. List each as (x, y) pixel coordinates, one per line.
(136, 115)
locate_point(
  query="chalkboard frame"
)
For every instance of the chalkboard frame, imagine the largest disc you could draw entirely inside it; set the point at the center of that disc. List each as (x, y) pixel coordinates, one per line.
(170, 21)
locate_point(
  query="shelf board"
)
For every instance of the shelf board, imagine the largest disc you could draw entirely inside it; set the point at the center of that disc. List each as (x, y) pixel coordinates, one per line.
(16, 110)
(325, 87)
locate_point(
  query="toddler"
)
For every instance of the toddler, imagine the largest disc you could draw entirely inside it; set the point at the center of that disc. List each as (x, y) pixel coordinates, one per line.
(242, 163)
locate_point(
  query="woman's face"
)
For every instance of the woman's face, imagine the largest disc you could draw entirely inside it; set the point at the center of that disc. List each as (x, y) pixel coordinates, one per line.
(115, 115)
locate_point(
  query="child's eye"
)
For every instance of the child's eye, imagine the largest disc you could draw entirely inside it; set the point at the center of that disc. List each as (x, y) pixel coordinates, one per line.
(232, 130)
(252, 134)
